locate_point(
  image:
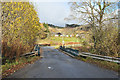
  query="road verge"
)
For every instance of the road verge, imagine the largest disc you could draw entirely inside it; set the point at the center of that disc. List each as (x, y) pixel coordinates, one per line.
(101, 63)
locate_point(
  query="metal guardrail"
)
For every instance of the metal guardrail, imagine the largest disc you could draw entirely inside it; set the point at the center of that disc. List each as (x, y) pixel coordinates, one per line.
(105, 58)
(36, 47)
(28, 54)
(94, 56)
(69, 50)
(35, 52)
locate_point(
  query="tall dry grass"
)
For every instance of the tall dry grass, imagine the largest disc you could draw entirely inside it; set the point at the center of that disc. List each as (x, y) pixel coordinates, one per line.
(12, 51)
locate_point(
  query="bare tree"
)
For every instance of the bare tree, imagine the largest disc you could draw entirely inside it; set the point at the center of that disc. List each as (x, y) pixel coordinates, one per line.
(95, 13)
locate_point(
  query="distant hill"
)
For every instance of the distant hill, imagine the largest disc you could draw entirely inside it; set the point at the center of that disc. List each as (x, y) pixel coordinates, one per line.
(54, 26)
(69, 29)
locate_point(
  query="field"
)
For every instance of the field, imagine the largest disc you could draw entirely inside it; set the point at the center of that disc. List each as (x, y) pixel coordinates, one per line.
(59, 40)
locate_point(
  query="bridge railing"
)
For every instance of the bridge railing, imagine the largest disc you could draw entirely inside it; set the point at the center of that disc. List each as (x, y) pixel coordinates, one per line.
(69, 50)
(35, 52)
(94, 56)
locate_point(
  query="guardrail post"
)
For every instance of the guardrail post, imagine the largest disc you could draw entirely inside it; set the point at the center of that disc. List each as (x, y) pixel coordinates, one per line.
(38, 51)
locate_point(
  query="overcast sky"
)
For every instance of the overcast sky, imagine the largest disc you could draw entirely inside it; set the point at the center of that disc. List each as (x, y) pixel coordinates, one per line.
(53, 12)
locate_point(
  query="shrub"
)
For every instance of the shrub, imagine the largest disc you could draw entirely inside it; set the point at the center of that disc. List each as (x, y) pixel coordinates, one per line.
(20, 29)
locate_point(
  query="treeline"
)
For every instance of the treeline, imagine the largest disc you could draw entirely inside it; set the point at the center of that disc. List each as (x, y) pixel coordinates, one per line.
(54, 26)
(20, 29)
(72, 25)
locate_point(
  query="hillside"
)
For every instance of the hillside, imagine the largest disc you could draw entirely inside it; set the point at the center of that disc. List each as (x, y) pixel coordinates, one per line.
(70, 30)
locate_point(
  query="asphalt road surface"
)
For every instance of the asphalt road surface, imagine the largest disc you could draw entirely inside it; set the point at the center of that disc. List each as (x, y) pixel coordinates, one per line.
(56, 64)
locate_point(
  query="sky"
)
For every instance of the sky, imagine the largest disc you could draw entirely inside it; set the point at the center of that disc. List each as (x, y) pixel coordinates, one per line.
(53, 12)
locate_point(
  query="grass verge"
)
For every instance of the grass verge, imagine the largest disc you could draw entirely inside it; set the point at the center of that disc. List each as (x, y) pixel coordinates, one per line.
(104, 64)
(10, 68)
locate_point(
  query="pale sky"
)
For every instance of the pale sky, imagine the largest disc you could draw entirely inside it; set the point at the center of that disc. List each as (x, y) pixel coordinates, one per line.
(53, 12)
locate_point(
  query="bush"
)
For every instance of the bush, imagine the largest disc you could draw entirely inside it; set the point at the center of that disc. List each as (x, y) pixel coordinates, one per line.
(21, 28)
(107, 41)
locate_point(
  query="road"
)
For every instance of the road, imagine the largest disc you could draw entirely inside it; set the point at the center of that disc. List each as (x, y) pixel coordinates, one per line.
(55, 64)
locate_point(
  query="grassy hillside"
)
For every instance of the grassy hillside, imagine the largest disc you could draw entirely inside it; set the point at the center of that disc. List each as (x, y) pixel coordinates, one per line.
(51, 39)
(69, 30)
